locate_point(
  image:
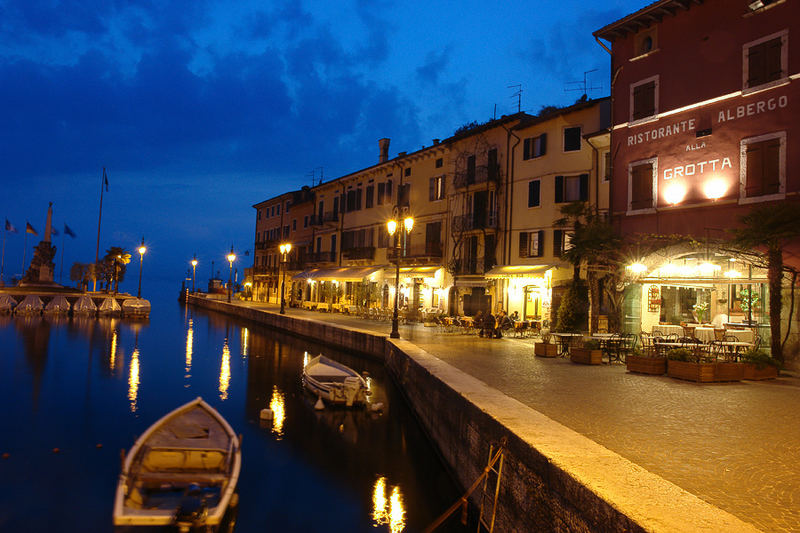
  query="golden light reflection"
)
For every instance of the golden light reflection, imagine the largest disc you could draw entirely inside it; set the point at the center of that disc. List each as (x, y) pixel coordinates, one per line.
(305, 359)
(189, 343)
(277, 404)
(133, 380)
(245, 339)
(225, 372)
(389, 511)
(112, 358)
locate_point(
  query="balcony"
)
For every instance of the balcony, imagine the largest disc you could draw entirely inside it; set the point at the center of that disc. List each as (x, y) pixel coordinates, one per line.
(364, 252)
(330, 216)
(265, 271)
(321, 257)
(429, 251)
(473, 221)
(469, 265)
(266, 245)
(482, 174)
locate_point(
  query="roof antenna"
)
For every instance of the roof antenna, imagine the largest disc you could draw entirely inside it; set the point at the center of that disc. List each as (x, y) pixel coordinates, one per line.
(517, 94)
(313, 175)
(583, 86)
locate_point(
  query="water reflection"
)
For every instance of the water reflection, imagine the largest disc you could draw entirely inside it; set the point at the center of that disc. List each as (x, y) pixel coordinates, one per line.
(133, 379)
(112, 356)
(225, 372)
(277, 404)
(389, 512)
(189, 342)
(245, 337)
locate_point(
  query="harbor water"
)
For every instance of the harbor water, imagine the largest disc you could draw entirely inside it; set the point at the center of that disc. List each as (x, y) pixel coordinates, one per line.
(76, 391)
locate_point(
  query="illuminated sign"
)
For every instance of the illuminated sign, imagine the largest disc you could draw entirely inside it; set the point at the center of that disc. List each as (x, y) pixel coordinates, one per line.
(753, 108)
(691, 169)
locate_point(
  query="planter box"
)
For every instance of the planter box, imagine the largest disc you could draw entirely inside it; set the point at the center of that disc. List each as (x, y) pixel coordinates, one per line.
(545, 350)
(705, 372)
(700, 372)
(646, 365)
(753, 373)
(585, 356)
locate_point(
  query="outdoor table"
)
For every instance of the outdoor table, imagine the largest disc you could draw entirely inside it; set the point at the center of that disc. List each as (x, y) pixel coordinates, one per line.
(323, 307)
(565, 340)
(668, 329)
(704, 334)
(520, 326)
(742, 335)
(308, 305)
(734, 347)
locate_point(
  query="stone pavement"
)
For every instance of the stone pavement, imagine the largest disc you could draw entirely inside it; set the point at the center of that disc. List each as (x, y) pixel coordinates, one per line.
(734, 445)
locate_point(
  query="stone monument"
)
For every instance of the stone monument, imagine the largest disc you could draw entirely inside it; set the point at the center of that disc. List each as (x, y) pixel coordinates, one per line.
(42, 265)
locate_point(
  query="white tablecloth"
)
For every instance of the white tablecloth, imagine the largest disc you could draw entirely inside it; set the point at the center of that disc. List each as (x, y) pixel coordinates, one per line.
(668, 329)
(704, 334)
(743, 335)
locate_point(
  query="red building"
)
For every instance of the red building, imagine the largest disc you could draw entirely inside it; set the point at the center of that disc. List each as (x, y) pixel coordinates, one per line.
(705, 100)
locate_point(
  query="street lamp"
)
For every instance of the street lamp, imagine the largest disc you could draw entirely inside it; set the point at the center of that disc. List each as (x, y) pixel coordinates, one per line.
(142, 250)
(194, 270)
(391, 226)
(285, 249)
(231, 258)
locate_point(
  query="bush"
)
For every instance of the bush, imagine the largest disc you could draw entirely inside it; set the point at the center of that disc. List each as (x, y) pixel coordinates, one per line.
(681, 354)
(760, 358)
(592, 344)
(573, 313)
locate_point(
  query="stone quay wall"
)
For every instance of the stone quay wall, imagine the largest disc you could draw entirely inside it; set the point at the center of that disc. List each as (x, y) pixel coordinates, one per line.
(553, 479)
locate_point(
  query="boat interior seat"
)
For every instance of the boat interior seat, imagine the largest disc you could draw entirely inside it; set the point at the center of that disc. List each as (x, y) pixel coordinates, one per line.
(186, 478)
(330, 379)
(177, 460)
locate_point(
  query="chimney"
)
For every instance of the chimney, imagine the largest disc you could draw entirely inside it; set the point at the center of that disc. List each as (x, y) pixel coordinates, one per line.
(435, 142)
(383, 154)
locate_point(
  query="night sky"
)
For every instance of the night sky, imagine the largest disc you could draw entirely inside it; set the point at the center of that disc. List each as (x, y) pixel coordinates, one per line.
(200, 109)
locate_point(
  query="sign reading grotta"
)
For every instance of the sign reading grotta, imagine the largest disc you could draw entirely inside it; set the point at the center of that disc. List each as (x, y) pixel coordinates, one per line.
(691, 169)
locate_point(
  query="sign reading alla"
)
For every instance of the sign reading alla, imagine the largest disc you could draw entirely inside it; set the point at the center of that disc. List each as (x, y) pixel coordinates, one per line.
(725, 115)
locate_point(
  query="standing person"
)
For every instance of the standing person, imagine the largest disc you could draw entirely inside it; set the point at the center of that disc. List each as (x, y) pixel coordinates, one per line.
(477, 322)
(489, 324)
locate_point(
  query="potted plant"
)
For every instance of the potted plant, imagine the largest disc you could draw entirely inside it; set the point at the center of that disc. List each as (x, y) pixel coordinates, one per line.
(545, 348)
(588, 354)
(684, 364)
(758, 365)
(641, 363)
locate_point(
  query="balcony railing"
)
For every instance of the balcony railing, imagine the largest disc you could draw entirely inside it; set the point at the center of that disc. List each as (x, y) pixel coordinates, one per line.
(364, 252)
(321, 257)
(482, 174)
(265, 270)
(266, 245)
(479, 220)
(429, 250)
(330, 216)
(469, 265)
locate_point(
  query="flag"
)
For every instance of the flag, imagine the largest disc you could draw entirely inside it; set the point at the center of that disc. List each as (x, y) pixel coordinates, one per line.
(10, 227)
(105, 179)
(29, 228)
(54, 231)
(68, 231)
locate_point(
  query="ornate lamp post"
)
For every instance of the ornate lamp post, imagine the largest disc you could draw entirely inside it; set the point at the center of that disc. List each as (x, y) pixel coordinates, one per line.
(285, 249)
(142, 249)
(391, 226)
(194, 270)
(231, 258)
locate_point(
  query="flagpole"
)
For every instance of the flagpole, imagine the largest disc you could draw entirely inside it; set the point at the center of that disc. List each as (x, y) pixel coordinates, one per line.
(24, 251)
(61, 270)
(99, 218)
(3, 260)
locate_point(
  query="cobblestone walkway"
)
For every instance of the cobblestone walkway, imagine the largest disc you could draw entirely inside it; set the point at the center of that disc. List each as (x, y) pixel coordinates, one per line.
(735, 445)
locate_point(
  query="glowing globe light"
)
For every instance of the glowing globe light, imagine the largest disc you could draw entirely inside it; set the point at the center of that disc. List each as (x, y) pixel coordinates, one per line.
(675, 193)
(715, 188)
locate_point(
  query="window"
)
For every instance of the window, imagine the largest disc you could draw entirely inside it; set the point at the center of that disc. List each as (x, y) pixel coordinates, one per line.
(404, 194)
(433, 238)
(319, 216)
(408, 171)
(534, 147)
(286, 231)
(644, 99)
(763, 173)
(470, 169)
(273, 211)
(294, 224)
(258, 214)
(381, 192)
(436, 188)
(641, 185)
(319, 244)
(765, 61)
(534, 189)
(607, 166)
(492, 168)
(531, 243)
(305, 221)
(370, 196)
(439, 162)
(572, 139)
(572, 188)
(561, 242)
(333, 244)
(646, 41)
(279, 209)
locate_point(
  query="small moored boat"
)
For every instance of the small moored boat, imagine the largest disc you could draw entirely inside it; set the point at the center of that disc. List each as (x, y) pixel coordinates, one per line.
(84, 306)
(334, 382)
(182, 471)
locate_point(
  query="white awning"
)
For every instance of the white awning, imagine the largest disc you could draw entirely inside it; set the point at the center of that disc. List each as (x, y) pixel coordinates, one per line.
(518, 271)
(337, 274)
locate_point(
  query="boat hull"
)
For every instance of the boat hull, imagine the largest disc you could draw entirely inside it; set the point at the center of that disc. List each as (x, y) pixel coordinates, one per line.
(342, 387)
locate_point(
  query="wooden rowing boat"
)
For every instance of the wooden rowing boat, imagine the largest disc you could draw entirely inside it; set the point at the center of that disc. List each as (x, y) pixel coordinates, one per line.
(334, 382)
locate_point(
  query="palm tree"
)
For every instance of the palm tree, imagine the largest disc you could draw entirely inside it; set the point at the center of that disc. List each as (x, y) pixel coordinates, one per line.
(115, 259)
(767, 229)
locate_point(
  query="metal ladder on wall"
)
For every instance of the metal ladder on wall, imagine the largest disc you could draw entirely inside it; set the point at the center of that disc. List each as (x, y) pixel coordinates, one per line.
(490, 489)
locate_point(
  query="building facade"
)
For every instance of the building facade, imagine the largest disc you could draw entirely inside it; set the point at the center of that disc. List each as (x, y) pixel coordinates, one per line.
(705, 126)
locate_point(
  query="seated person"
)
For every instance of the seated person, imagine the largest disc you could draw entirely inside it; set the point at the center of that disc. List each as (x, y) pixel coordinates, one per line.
(515, 316)
(719, 320)
(489, 324)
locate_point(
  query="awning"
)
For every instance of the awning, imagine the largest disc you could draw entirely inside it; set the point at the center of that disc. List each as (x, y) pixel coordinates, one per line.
(414, 272)
(469, 282)
(337, 274)
(517, 271)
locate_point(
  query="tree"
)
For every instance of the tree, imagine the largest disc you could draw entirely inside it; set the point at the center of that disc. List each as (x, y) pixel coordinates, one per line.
(114, 266)
(81, 273)
(767, 229)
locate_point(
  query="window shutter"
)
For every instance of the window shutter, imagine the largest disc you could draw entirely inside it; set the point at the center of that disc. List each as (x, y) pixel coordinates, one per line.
(389, 190)
(559, 189)
(557, 238)
(540, 250)
(381, 192)
(359, 195)
(526, 152)
(523, 244)
(543, 144)
(533, 193)
(771, 175)
(584, 187)
(431, 189)
(755, 170)
(756, 71)
(772, 58)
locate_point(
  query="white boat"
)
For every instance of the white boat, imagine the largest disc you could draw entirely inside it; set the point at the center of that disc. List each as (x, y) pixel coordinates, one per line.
(135, 307)
(7, 303)
(31, 305)
(334, 382)
(58, 305)
(182, 471)
(110, 306)
(84, 306)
